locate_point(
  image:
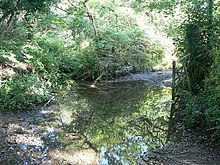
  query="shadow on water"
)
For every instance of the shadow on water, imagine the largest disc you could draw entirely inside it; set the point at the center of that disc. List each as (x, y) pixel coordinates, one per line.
(119, 122)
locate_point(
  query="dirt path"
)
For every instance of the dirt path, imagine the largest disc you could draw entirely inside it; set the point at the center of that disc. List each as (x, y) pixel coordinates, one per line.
(192, 149)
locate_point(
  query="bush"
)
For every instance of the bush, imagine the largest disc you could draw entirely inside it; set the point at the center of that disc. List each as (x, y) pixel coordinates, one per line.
(58, 48)
(113, 53)
(23, 92)
(202, 110)
(50, 59)
(44, 57)
(211, 99)
(192, 115)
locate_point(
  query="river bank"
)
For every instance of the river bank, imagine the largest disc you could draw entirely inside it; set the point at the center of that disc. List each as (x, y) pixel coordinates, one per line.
(159, 78)
(192, 149)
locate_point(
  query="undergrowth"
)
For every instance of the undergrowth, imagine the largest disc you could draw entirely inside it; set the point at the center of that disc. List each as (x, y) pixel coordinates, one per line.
(202, 110)
(52, 63)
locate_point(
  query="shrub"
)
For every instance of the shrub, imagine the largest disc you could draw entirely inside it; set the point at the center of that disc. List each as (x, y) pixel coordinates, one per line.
(192, 115)
(202, 110)
(113, 53)
(23, 92)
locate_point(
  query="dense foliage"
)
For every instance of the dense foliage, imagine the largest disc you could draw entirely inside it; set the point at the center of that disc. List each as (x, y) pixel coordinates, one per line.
(47, 44)
(195, 28)
(198, 38)
(201, 41)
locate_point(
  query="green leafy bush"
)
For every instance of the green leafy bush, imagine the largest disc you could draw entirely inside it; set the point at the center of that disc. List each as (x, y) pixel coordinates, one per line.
(202, 110)
(191, 113)
(211, 96)
(199, 38)
(49, 58)
(113, 53)
(23, 92)
(44, 57)
(106, 40)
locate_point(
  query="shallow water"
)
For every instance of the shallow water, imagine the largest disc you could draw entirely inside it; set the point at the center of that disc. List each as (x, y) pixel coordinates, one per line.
(120, 122)
(110, 123)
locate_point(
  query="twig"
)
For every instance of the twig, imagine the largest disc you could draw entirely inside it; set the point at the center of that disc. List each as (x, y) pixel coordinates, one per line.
(90, 16)
(48, 102)
(62, 9)
(213, 128)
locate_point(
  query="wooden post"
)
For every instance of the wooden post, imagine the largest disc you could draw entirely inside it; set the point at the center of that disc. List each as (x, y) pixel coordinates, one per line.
(188, 79)
(174, 81)
(173, 100)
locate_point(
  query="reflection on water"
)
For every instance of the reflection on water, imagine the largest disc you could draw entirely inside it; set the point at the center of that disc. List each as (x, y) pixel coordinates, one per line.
(120, 122)
(132, 149)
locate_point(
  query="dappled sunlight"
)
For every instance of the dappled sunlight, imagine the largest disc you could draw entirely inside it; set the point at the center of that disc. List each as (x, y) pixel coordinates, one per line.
(79, 157)
(152, 32)
(85, 44)
(140, 44)
(65, 116)
(158, 36)
(28, 141)
(123, 119)
(6, 72)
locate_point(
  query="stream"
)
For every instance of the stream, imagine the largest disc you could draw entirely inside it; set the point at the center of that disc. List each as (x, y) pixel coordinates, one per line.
(114, 122)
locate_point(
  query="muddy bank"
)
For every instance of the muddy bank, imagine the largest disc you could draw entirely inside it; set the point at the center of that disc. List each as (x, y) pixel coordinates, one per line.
(192, 149)
(160, 78)
(34, 138)
(23, 137)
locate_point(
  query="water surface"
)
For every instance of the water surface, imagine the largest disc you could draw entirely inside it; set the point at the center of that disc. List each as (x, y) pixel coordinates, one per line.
(111, 123)
(117, 122)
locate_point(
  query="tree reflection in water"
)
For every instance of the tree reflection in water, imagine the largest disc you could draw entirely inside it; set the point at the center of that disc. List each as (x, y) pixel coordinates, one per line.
(120, 121)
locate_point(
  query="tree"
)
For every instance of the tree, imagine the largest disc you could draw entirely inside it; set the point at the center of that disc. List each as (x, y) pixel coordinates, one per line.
(13, 10)
(199, 36)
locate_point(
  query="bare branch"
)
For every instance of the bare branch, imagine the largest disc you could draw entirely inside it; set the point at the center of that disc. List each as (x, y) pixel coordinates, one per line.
(92, 19)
